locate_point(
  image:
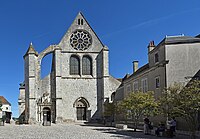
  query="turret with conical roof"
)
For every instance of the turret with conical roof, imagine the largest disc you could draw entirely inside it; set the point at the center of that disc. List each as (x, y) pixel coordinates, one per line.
(30, 59)
(31, 50)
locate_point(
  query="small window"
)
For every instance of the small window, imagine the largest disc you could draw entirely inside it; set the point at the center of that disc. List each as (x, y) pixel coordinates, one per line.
(157, 81)
(80, 21)
(156, 58)
(144, 85)
(128, 89)
(6, 108)
(135, 86)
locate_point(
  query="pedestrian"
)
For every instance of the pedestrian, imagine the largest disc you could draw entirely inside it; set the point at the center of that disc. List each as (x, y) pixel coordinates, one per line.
(172, 124)
(146, 126)
(160, 129)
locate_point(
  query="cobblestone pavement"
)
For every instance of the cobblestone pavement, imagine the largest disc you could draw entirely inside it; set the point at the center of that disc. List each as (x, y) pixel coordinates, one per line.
(70, 131)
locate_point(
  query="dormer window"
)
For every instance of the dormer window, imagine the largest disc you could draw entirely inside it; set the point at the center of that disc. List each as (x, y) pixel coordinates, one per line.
(156, 58)
(80, 21)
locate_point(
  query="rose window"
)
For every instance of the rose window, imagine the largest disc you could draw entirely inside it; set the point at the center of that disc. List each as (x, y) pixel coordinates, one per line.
(80, 40)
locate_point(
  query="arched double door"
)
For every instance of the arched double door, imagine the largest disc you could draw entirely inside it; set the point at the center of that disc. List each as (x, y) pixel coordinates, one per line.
(82, 112)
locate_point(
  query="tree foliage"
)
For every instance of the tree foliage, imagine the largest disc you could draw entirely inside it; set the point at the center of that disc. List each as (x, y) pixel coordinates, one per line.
(168, 100)
(109, 112)
(110, 109)
(184, 102)
(138, 104)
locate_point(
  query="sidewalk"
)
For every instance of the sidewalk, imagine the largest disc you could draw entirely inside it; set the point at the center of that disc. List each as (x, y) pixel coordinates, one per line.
(129, 133)
(140, 134)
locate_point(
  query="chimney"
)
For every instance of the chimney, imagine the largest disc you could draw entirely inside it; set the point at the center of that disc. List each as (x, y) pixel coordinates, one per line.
(135, 66)
(151, 46)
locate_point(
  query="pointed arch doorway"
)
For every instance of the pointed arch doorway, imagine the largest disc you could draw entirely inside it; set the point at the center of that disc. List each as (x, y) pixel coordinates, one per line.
(82, 112)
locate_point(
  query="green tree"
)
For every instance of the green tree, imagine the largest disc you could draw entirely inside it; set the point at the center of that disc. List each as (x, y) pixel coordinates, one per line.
(137, 105)
(183, 102)
(109, 111)
(168, 99)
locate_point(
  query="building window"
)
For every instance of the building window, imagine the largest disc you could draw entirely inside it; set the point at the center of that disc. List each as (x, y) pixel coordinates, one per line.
(135, 86)
(157, 79)
(86, 65)
(144, 85)
(74, 65)
(128, 89)
(80, 40)
(80, 21)
(156, 58)
(6, 108)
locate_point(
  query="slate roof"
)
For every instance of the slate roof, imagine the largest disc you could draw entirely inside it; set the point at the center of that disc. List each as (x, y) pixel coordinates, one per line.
(141, 69)
(198, 36)
(179, 39)
(4, 101)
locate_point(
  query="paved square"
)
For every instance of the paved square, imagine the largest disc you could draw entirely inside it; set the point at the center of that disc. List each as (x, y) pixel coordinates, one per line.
(69, 131)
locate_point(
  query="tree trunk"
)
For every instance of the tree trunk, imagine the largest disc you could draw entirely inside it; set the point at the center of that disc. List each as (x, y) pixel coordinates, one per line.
(135, 124)
(135, 127)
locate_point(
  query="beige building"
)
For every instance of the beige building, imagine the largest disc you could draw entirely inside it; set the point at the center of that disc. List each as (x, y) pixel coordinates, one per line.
(174, 59)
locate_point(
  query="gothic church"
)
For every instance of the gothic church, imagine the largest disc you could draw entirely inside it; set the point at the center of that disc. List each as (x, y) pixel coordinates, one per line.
(78, 84)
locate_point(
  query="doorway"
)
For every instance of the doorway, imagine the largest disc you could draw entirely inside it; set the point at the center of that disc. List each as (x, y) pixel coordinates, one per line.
(81, 113)
(81, 105)
(46, 116)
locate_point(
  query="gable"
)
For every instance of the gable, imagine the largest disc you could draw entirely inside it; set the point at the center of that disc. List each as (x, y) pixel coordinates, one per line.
(80, 37)
(4, 101)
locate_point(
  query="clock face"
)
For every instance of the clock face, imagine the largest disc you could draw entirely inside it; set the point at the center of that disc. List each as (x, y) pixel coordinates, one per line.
(80, 40)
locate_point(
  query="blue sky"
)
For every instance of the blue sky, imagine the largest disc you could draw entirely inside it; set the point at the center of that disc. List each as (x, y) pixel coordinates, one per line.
(125, 26)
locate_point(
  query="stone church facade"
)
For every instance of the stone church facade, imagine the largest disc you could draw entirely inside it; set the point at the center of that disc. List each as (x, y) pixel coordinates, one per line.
(79, 82)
